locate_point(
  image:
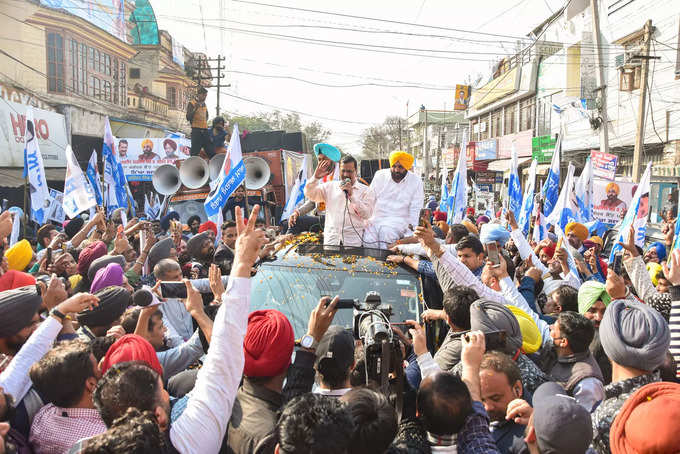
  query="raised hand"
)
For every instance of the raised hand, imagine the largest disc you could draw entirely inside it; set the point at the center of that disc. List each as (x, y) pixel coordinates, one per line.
(248, 243)
(629, 244)
(215, 278)
(324, 168)
(77, 303)
(322, 317)
(418, 335)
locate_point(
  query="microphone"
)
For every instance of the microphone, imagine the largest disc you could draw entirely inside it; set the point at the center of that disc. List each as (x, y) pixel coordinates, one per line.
(143, 297)
(346, 181)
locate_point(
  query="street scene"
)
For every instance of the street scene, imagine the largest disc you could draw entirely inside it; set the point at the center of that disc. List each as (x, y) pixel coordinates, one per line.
(241, 226)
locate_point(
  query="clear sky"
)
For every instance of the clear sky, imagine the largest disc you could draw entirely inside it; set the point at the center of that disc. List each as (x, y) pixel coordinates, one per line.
(245, 32)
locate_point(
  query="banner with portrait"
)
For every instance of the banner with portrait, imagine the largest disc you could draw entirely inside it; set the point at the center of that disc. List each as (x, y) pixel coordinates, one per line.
(141, 157)
(611, 199)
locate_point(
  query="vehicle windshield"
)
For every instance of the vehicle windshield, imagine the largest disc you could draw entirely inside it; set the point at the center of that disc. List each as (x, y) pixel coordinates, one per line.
(295, 291)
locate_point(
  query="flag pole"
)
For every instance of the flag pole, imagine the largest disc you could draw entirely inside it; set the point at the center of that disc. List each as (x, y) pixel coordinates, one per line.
(26, 218)
(245, 201)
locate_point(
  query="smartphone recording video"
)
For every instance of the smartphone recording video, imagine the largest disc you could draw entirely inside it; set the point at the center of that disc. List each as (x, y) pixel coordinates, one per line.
(173, 290)
(492, 253)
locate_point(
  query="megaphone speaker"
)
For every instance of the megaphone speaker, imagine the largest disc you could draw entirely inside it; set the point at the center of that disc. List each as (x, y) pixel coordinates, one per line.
(194, 172)
(166, 179)
(215, 165)
(257, 172)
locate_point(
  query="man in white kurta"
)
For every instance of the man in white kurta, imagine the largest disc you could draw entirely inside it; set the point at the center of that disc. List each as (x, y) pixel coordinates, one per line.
(349, 203)
(399, 197)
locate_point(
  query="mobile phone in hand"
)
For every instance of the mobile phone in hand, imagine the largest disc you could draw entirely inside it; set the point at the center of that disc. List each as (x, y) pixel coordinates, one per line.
(492, 253)
(173, 290)
(616, 264)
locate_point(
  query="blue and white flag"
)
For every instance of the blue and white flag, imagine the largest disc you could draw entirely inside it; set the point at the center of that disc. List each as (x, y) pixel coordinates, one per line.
(637, 214)
(115, 193)
(540, 227)
(92, 172)
(78, 195)
(528, 200)
(231, 177)
(297, 192)
(551, 189)
(514, 186)
(583, 191)
(565, 211)
(458, 191)
(571, 261)
(34, 171)
(444, 196)
(676, 241)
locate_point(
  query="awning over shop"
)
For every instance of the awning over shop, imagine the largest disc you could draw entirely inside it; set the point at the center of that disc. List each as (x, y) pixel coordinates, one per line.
(503, 165)
(14, 177)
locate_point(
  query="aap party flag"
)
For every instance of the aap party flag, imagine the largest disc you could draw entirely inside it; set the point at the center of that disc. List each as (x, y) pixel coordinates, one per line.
(540, 227)
(34, 171)
(458, 191)
(551, 188)
(676, 242)
(444, 197)
(115, 194)
(528, 200)
(565, 210)
(78, 196)
(92, 172)
(637, 214)
(514, 187)
(231, 177)
(297, 193)
(583, 192)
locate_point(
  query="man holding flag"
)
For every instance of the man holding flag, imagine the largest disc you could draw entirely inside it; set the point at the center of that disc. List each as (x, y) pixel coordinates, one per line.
(349, 203)
(115, 192)
(34, 171)
(231, 176)
(78, 196)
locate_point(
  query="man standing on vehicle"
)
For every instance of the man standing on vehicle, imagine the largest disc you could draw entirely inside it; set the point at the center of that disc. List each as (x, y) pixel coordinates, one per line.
(197, 115)
(399, 198)
(349, 203)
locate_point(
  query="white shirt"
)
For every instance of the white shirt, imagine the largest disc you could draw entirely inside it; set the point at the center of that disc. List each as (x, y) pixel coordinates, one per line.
(397, 204)
(201, 427)
(345, 218)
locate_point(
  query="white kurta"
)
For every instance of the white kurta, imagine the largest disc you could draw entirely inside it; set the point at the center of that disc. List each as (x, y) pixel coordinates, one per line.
(345, 219)
(396, 206)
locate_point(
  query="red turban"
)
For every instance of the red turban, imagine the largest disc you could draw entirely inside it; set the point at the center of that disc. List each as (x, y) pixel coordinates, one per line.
(268, 344)
(470, 210)
(14, 279)
(88, 255)
(208, 225)
(439, 216)
(648, 421)
(549, 250)
(131, 347)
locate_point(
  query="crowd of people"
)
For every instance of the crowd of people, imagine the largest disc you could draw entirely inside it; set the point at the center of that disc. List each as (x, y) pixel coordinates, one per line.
(522, 352)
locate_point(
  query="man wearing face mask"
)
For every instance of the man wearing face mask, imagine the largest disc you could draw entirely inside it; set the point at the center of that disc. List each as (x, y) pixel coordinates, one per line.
(399, 197)
(349, 203)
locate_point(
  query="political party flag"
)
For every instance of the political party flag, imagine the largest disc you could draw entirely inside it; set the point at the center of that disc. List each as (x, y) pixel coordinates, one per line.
(297, 192)
(34, 171)
(540, 227)
(637, 215)
(552, 183)
(92, 172)
(115, 193)
(565, 209)
(458, 194)
(78, 195)
(676, 242)
(571, 261)
(514, 186)
(231, 176)
(528, 200)
(16, 224)
(444, 196)
(583, 191)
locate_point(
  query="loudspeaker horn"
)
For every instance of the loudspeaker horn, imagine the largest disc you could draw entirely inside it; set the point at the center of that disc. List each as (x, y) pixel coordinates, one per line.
(166, 179)
(257, 172)
(215, 165)
(194, 172)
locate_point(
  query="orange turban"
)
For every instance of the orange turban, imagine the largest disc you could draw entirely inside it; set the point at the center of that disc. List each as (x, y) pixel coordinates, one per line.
(403, 158)
(580, 230)
(613, 186)
(648, 421)
(470, 226)
(147, 142)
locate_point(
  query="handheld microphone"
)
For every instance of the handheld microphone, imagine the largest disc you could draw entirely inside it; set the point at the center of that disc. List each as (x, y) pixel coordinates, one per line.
(143, 297)
(346, 181)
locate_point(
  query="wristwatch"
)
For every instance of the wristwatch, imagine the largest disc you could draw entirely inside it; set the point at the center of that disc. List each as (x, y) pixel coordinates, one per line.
(59, 314)
(309, 342)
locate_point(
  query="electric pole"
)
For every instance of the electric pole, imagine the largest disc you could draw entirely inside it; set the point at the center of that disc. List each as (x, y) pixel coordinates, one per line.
(601, 81)
(640, 137)
(199, 76)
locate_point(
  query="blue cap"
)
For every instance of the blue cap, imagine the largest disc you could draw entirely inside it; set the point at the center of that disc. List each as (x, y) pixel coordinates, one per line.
(327, 150)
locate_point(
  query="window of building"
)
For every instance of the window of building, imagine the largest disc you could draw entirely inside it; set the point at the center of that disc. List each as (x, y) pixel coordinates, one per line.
(107, 91)
(495, 124)
(171, 95)
(107, 59)
(544, 112)
(55, 62)
(122, 82)
(510, 125)
(135, 73)
(526, 114)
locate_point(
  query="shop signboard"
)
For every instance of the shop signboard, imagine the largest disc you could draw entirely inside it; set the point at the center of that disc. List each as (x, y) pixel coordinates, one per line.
(542, 148)
(485, 178)
(486, 150)
(521, 141)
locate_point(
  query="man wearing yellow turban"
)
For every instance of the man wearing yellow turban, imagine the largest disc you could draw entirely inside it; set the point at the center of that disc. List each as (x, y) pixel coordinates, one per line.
(399, 196)
(612, 202)
(19, 256)
(147, 151)
(576, 233)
